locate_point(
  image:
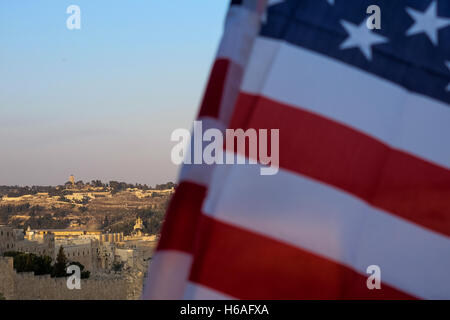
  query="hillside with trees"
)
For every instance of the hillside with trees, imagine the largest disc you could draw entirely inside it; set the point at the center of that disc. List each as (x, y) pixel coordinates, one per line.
(112, 206)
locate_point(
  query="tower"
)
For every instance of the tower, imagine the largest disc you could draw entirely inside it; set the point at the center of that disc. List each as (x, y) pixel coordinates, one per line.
(138, 227)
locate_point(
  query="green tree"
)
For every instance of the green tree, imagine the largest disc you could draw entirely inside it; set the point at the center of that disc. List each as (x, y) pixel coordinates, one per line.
(29, 262)
(117, 266)
(64, 199)
(59, 269)
(43, 265)
(84, 273)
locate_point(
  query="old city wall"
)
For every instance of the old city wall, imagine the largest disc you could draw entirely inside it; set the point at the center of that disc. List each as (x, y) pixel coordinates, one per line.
(27, 286)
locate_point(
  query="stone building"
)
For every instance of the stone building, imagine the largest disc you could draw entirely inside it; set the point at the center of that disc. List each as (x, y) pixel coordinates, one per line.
(7, 239)
(15, 240)
(138, 229)
(83, 251)
(97, 251)
(39, 243)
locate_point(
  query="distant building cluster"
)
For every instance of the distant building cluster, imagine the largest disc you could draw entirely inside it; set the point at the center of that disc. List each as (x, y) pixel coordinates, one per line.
(117, 263)
(77, 195)
(99, 252)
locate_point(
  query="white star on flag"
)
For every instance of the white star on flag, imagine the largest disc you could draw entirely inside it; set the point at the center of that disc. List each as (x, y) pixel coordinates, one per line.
(269, 4)
(361, 37)
(427, 22)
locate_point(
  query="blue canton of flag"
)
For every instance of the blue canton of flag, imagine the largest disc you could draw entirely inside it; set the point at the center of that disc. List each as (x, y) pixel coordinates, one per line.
(412, 48)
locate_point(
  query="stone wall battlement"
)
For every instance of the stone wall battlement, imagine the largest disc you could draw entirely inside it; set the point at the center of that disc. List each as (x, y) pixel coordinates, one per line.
(27, 286)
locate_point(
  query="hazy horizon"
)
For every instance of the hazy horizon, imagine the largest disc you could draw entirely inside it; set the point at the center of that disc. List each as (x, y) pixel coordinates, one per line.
(101, 102)
(85, 181)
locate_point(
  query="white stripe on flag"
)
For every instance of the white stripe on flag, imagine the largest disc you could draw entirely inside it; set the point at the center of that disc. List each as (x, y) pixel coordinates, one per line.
(331, 223)
(200, 173)
(241, 27)
(301, 78)
(167, 275)
(195, 291)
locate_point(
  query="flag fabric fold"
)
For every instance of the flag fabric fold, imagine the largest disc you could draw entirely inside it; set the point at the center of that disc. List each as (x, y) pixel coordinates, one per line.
(170, 268)
(364, 179)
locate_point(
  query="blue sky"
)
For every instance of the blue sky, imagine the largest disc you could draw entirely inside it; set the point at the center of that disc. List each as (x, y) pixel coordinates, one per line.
(100, 102)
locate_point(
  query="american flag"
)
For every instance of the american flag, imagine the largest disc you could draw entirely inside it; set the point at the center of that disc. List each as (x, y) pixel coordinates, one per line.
(364, 120)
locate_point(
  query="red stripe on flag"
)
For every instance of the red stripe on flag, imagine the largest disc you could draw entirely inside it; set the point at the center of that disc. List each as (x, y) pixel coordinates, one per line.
(181, 218)
(247, 265)
(214, 91)
(333, 153)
